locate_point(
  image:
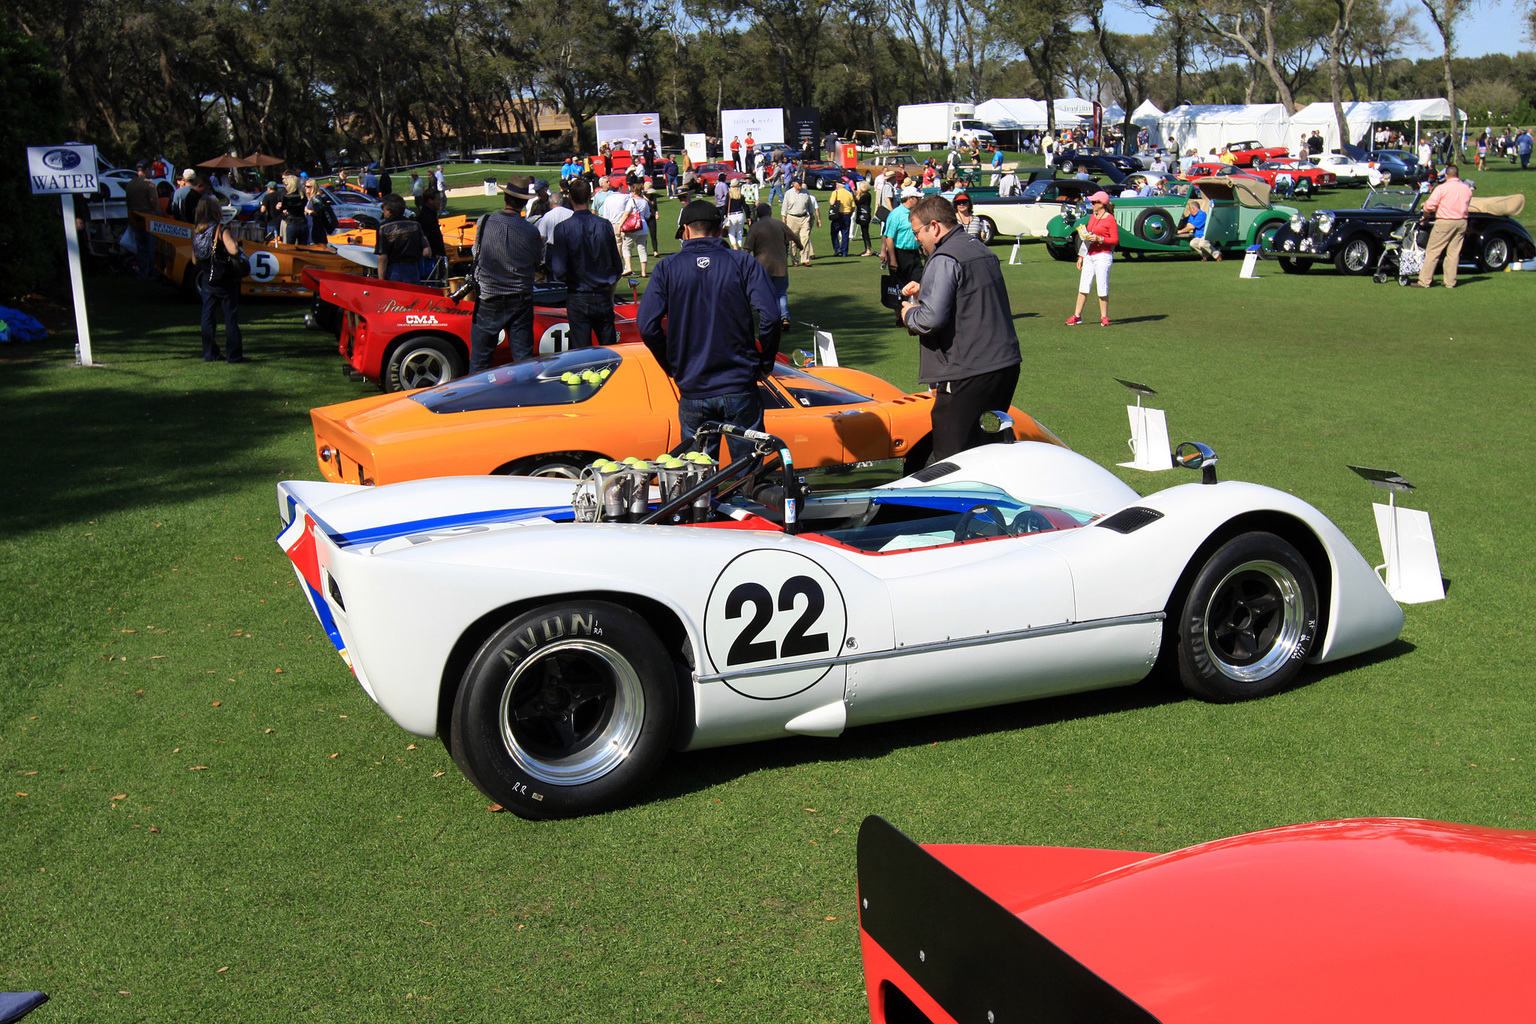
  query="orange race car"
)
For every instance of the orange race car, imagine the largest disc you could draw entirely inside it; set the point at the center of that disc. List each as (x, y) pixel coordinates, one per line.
(552, 415)
(276, 268)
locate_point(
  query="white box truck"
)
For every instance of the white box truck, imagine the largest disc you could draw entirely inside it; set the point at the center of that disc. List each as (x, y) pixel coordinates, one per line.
(934, 124)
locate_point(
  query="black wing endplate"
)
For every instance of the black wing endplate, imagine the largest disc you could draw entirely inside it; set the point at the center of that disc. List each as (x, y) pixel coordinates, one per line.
(971, 955)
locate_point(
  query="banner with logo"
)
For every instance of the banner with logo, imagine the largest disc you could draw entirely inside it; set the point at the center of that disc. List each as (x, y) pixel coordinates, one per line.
(764, 124)
(627, 131)
(695, 145)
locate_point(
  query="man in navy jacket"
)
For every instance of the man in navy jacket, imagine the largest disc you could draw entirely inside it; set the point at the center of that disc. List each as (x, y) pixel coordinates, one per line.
(698, 317)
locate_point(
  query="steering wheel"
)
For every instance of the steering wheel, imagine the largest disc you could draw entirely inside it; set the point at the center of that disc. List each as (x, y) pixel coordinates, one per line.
(998, 526)
(1031, 521)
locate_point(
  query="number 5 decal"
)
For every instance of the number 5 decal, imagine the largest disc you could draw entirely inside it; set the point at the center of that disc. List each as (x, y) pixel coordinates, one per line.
(264, 266)
(774, 608)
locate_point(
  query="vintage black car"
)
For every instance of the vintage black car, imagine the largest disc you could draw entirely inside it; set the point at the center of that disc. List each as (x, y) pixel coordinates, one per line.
(1352, 239)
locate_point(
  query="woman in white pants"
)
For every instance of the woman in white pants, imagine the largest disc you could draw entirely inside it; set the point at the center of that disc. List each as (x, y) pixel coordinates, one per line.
(735, 215)
(629, 241)
(1101, 234)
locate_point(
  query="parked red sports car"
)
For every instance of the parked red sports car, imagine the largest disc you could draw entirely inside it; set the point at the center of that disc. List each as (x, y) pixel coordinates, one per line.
(1335, 922)
(1252, 152)
(408, 336)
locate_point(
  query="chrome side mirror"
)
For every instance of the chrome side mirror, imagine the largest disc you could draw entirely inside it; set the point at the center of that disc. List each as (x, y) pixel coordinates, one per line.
(1194, 455)
(800, 359)
(996, 421)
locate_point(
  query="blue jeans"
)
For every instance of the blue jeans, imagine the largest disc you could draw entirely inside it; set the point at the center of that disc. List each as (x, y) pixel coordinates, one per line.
(144, 253)
(739, 408)
(781, 286)
(494, 314)
(404, 272)
(840, 222)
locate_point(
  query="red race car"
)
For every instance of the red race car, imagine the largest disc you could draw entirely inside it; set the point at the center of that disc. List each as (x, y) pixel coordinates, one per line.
(408, 336)
(1299, 170)
(1363, 920)
(1252, 152)
(710, 173)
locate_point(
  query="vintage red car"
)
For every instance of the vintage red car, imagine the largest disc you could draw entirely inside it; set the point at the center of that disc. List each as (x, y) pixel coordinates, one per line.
(406, 336)
(1253, 151)
(1332, 922)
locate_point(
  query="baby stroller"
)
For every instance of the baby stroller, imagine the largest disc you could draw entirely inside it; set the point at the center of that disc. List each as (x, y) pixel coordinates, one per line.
(1402, 255)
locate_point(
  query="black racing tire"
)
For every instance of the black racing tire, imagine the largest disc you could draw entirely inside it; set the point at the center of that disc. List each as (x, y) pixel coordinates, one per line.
(1356, 256)
(366, 221)
(567, 710)
(1156, 224)
(1249, 621)
(560, 465)
(1493, 256)
(1066, 252)
(1291, 266)
(988, 231)
(422, 361)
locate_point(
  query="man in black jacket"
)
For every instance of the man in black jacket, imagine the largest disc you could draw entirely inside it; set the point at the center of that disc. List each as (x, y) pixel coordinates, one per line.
(584, 253)
(508, 250)
(964, 323)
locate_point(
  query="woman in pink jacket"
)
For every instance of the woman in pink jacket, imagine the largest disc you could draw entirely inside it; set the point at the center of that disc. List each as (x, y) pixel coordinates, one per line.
(1100, 234)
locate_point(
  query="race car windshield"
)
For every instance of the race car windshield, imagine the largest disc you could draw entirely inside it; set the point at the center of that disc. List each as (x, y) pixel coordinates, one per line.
(567, 378)
(809, 391)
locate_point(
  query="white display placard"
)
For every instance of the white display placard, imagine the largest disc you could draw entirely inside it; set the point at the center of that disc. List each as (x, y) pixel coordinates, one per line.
(764, 124)
(1149, 439)
(1410, 561)
(826, 349)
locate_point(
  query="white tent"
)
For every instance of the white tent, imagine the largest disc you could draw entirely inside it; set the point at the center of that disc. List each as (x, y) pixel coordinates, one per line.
(1146, 116)
(1069, 107)
(1012, 115)
(1362, 116)
(1203, 128)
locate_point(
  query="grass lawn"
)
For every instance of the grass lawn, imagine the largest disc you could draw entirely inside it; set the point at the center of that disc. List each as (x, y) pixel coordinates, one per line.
(205, 818)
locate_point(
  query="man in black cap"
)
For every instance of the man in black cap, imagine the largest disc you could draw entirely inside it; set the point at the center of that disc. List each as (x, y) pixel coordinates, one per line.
(711, 318)
(507, 252)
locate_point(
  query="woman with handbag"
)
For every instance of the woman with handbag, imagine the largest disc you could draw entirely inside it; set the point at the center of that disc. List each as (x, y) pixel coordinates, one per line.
(219, 260)
(627, 215)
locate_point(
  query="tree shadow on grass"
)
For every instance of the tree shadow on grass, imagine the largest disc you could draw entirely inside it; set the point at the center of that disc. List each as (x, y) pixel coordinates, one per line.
(154, 424)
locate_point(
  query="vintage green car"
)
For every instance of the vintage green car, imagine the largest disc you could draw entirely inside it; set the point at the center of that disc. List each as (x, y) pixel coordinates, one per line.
(1239, 213)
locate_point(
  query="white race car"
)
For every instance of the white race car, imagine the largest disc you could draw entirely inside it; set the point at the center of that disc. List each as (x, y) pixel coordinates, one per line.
(561, 644)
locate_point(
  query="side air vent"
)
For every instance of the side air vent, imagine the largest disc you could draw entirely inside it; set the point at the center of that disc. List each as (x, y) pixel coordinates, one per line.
(1129, 520)
(933, 472)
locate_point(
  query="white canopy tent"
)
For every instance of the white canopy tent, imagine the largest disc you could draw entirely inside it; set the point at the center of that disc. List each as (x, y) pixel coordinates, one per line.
(1013, 115)
(1146, 116)
(1361, 117)
(1207, 127)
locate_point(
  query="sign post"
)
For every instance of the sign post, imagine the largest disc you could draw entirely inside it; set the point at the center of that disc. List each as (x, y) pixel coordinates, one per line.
(63, 171)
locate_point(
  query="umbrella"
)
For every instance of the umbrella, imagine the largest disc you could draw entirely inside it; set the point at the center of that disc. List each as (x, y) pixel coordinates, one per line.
(225, 161)
(262, 160)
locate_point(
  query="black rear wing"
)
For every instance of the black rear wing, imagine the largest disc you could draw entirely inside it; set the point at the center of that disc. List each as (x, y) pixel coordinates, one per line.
(973, 957)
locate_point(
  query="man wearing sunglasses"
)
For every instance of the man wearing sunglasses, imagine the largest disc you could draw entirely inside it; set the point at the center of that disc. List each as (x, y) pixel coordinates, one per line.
(969, 353)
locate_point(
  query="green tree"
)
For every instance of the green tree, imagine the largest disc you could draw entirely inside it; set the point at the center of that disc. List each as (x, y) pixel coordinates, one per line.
(29, 251)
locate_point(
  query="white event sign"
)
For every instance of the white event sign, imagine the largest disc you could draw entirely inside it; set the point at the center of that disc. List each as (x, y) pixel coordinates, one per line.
(64, 171)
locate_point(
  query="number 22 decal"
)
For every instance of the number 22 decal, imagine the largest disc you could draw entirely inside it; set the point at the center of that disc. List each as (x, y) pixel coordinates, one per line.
(747, 648)
(778, 617)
